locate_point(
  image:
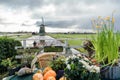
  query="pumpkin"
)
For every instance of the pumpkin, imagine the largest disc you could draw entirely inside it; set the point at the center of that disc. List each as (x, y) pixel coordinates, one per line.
(51, 78)
(46, 69)
(38, 76)
(49, 73)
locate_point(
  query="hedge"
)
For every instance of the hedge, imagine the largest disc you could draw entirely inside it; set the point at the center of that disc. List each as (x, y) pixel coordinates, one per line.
(53, 49)
(7, 48)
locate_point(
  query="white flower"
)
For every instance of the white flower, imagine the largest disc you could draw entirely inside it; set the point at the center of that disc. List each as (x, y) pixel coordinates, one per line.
(87, 66)
(95, 69)
(66, 62)
(68, 66)
(91, 68)
(73, 56)
(85, 58)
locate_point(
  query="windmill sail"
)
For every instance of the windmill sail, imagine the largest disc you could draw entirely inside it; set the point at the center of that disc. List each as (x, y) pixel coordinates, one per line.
(42, 21)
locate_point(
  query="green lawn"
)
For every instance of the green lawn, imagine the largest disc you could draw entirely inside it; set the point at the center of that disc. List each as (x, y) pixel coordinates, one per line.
(71, 35)
(73, 39)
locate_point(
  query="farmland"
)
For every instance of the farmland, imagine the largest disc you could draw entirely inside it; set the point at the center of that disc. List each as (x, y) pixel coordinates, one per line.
(18, 36)
(73, 39)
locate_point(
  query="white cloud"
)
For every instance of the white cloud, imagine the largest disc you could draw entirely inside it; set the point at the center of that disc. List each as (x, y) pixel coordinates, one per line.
(49, 9)
(15, 15)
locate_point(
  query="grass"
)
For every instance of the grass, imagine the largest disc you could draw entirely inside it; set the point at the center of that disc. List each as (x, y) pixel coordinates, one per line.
(19, 37)
(70, 35)
(73, 39)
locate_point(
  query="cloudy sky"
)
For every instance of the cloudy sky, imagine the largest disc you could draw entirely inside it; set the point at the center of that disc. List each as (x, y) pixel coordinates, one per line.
(59, 15)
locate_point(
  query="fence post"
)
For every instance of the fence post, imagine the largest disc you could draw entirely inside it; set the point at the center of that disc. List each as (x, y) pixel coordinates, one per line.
(24, 44)
(66, 45)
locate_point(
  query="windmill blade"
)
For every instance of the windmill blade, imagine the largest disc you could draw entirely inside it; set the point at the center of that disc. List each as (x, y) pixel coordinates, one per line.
(42, 21)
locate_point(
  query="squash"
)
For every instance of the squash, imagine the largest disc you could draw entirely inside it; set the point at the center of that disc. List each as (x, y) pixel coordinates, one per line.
(51, 78)
(46, 69)
(38, 76)
(48, 74)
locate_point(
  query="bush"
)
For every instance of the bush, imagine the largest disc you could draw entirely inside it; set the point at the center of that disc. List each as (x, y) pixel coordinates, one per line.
(7, 49)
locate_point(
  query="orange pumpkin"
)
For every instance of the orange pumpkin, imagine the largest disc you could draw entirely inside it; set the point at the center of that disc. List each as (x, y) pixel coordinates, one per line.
(49, 73)
(51, 78)
(38, 76)
(46, 70)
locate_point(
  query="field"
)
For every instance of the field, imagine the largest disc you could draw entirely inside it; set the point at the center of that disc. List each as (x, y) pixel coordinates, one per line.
(18, 36)
(73, 39)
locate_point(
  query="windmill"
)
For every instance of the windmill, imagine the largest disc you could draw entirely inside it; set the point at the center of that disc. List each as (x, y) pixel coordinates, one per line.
(42, 28)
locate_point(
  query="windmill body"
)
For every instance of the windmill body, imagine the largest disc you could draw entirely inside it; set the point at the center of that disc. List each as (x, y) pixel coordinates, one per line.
(42, 29)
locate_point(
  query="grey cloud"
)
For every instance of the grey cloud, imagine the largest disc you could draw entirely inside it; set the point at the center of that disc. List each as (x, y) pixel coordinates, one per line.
(82, 23)
(15, 4)
(76, 8)
(68, 8)
(117, 23)
(59, 24)
(3, 21)
(6, 23)
(37, 15)
(89, 2)
(38, 3)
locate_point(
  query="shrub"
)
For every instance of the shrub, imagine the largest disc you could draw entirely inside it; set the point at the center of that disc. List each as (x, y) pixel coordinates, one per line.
(7, 49)
(53, 49)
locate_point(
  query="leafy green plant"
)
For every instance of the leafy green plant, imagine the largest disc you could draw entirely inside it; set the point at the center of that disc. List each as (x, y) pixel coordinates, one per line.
(58, 63)
(8, 63)
(106, 42)
(26, 56)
